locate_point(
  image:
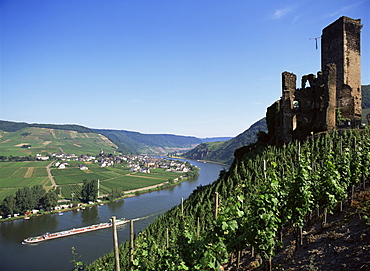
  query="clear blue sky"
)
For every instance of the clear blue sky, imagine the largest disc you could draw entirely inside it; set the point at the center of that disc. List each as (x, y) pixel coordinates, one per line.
(201, 68)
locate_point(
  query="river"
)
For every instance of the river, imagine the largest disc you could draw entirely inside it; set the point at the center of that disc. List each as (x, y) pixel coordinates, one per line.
(56, 254)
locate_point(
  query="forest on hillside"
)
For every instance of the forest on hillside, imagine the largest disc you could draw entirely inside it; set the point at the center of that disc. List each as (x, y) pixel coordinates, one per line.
(9, 126)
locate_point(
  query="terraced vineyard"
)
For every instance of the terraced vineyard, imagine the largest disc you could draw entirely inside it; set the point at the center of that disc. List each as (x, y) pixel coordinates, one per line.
(33, 140)
(266, 193)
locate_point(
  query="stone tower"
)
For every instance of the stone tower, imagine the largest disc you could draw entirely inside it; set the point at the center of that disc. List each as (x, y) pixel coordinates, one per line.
(315, 106)
(340, 44)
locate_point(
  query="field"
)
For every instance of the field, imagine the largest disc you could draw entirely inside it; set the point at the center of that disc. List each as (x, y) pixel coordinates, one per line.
(71, 178)
(46, 141)
(14, 175)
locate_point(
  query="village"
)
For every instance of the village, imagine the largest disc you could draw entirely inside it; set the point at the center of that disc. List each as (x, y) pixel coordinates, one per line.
(135, 163)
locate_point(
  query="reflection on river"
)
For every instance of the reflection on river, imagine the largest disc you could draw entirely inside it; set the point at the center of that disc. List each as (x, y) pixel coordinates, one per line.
(56, 254)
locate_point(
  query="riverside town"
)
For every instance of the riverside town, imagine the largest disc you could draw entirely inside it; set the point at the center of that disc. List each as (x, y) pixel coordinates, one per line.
(77, 180)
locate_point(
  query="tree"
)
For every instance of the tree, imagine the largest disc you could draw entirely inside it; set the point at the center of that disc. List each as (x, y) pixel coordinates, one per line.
(25, 199)
(38, 192)
(8, 206)
(49, 200)
(89, 191)
(115, 193)
(28, 198)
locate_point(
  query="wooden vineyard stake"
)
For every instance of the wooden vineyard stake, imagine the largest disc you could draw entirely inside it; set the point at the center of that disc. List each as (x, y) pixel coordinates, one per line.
(182, 207)
(216, 205)
(167, 238)
(131, 243)
(115, 243)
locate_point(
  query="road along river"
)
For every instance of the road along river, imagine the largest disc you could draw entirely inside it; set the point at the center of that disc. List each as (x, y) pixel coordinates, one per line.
(56, 254)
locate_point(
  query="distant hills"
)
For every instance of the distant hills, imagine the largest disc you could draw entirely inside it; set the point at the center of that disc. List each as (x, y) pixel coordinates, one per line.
(365, 102)
(154, 144)
(70, 138)
(223, 152)
(22, 139)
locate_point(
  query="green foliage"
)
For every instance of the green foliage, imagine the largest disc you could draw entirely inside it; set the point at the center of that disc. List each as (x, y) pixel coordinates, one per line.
(26, 199)
(78, 265)
(300, 197)
(255, 204)
(115, 194)
(89, 191)
(9, 205)
(49, 200)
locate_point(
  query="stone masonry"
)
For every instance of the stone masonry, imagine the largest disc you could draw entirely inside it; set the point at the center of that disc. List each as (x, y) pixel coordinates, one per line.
(330, 98)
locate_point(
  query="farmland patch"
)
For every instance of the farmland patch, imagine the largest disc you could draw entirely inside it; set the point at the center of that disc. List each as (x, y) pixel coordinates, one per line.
(29, 172)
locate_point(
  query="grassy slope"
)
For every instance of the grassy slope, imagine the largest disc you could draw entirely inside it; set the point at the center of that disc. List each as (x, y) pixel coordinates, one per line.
(46, 141)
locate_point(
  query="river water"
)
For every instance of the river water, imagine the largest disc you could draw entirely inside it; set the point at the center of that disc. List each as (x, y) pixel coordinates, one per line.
(56, 254)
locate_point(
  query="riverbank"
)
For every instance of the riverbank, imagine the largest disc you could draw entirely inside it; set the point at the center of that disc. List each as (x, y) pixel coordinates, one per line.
(202, 161)
(56, 254)
(127, 194)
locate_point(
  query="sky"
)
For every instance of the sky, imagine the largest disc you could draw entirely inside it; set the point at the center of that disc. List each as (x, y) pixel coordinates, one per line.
(203, 68)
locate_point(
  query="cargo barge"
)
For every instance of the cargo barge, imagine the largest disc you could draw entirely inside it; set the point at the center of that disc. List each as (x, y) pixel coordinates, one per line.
(50, 236)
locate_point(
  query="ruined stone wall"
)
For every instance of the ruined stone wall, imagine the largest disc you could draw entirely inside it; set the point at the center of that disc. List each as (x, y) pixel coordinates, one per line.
(301, 111)
(312, 108)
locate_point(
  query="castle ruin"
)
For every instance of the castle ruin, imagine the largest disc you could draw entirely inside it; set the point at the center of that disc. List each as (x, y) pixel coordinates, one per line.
(328, 99)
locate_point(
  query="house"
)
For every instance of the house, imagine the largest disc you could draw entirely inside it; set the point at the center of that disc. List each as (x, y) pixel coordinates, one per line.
(42, 158)
(83, 167)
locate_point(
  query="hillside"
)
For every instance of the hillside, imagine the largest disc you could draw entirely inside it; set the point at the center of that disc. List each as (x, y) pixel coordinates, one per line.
(342, 244)
(33, 140)
(365, 96)
(223, 152)
(256, 205)
(10, 126)
(46, 138)
(154, 144)
(365, 103)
